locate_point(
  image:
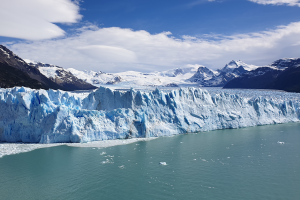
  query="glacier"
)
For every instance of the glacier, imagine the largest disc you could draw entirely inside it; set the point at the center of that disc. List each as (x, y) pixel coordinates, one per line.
(54, 116)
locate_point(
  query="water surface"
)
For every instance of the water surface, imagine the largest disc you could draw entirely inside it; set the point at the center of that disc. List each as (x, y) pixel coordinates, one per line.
(237, 164)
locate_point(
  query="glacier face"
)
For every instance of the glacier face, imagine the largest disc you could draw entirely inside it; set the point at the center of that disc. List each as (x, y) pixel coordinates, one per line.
(54, 116)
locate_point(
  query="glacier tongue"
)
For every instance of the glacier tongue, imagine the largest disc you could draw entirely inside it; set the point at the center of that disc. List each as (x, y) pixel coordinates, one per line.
(40, 116)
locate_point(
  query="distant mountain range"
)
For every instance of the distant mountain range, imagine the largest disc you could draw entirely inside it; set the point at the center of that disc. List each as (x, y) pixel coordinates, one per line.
(133, 78)
(283, 74)
(193, 75)
(209, 78)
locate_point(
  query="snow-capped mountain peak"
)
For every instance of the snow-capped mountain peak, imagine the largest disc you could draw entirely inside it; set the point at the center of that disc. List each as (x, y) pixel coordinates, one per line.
(210, 78)
(202, 74)
(232, 65)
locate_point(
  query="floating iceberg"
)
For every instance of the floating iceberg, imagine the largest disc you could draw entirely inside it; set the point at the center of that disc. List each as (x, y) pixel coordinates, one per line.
(54, 116)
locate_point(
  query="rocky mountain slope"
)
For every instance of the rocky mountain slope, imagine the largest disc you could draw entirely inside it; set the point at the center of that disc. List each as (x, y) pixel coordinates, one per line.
(16, 72)
(11, 77)
(61, 76)
(9, 60)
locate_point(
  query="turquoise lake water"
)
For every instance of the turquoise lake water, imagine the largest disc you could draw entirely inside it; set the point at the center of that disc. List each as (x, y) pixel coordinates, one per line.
(236, 164)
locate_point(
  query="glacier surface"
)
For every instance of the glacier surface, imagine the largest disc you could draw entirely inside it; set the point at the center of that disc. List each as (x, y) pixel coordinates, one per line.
(54, 116)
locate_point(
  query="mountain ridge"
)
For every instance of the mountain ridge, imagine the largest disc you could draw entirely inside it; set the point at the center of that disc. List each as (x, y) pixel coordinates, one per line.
(282, 74)
(222, 76)
(61, 76)
(17, 72)
(9, 59)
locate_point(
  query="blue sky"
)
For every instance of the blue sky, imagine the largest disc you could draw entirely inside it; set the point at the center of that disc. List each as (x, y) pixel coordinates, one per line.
(189, 17)
(151, 35)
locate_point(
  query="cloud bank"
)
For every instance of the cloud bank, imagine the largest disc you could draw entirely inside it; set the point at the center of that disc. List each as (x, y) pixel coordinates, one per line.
(278, 2)
(33, 19)
(117, 49)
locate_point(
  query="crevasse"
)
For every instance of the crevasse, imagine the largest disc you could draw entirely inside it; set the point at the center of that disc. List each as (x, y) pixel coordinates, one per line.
(40, 116)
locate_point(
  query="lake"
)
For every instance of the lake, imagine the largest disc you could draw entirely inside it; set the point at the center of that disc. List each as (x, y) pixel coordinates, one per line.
(246, 163)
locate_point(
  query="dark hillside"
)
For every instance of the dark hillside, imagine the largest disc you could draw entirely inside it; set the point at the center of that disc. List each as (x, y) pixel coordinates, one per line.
(288, 80)
(11, 77)
(9, 59)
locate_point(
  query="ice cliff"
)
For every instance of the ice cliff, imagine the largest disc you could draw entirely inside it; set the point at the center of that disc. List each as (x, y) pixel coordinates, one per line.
(41, 116)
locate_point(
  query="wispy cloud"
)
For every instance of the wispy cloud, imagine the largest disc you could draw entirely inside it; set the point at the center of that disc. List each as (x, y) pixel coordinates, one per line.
(33, 19)
(198, 2)
(278, 2)
(118, 49)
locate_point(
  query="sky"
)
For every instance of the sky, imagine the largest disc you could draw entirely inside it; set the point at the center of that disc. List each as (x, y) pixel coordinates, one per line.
(150, 35)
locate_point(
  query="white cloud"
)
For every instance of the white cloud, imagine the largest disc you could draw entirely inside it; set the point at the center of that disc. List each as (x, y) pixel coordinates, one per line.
(278, 2)
(33, 19)
(108, 54)
(115, 49)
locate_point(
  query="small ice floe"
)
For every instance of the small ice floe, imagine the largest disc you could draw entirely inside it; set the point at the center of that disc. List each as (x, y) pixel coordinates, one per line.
(280, 142)
(103, 153)
(107, 161)
(122, 167)
(162, 163)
